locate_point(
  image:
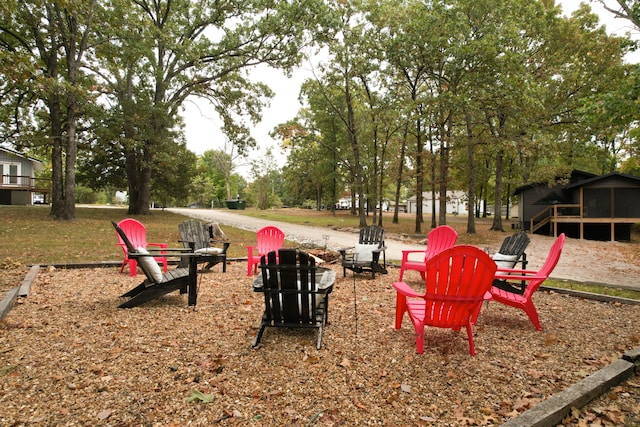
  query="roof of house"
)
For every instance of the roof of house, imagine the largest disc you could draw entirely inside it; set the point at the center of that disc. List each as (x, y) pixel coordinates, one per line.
(624, 176)
(576, 177)
(17, 153)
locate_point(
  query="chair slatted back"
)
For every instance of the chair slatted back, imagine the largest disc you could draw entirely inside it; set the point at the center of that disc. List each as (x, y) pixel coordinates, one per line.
(515, 244)
(456, 282)
(135, 231)
(131, 249)
(547, 267)
(269, 239)
(289, 286)
(196, 232)
(439, 239)
(372, 234)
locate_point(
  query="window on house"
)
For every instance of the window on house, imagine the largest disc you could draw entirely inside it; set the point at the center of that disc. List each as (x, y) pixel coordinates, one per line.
(10, 173)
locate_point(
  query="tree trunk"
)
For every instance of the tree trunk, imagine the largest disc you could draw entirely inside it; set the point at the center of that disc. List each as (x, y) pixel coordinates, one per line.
(444, 171)
(471, 190)
(497, 210)
(403, 148)
(57, 181)
(419, 178)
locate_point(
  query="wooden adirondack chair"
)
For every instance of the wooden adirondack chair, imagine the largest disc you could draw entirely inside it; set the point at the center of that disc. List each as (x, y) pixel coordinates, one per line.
(156, 283)
(438, 239)
(137, 234)
(294, 296)
(457, 282)
(365, 256)
(533, 278)
(200, 235)
(268, 239)
(511, 253)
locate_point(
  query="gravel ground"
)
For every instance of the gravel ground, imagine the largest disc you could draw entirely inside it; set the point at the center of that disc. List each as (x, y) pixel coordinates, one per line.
(69, 356)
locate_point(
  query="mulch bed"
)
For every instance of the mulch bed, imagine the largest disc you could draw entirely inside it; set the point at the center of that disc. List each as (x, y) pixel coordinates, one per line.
(69, 356)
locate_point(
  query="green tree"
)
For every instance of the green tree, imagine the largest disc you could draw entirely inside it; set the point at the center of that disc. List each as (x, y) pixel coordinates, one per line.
(186, 48)
(55, 38)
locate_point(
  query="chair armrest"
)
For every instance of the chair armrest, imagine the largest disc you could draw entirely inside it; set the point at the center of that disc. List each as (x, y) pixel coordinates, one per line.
(250, 250)
(225, 246)
(517, 277)
(170, 252)
(160, 245)
(406, 253)
(344, 251)
(406, 290)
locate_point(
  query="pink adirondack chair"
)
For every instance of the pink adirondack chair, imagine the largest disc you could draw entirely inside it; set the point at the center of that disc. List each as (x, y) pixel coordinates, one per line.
(268, 239)
(533, 280)
(439, 239)
(457, 280)
(137, 234)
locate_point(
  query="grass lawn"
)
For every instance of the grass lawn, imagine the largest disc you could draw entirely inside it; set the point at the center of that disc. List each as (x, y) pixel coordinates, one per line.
(31, 236)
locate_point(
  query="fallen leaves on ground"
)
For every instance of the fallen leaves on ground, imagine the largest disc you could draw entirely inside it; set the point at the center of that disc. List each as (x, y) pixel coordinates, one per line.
(68, 355)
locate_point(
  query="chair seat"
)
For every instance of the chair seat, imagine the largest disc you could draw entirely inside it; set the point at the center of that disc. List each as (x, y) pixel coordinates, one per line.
(505, 296)
(365, 255)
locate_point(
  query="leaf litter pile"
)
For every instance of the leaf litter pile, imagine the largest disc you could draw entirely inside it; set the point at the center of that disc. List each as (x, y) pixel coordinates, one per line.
(69, 356)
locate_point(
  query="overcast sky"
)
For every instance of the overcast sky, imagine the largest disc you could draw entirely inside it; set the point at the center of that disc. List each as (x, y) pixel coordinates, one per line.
(203, 127)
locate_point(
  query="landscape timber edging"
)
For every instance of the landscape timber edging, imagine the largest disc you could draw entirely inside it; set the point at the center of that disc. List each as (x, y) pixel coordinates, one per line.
(551, 411)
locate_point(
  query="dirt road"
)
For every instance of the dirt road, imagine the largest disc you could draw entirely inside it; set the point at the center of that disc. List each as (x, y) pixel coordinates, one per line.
(582, 260)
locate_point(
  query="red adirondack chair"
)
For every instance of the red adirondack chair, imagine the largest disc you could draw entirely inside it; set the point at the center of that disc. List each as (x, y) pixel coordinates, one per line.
(439, 239)
(457, 280)
(137, 234)
(533, 280)
(268, 239)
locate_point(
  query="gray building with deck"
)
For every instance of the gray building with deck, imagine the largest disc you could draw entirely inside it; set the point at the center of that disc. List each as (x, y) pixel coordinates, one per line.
(585, 206)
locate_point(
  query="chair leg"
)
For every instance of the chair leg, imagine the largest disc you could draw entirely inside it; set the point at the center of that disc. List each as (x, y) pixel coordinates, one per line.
(133, 267)
(319, 343)
(249, 266)
(533, 315)
(401, 308)
(259, 336)
(420, 341)
(472, 346)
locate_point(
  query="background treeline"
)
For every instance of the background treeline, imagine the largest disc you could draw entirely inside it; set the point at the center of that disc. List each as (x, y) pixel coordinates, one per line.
(407, 97)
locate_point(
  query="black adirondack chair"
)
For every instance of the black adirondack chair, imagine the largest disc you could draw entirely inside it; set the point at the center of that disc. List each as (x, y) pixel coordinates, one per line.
(157, 283)
(200, 235)
(296, 292)
(511, 253)
(365, 256)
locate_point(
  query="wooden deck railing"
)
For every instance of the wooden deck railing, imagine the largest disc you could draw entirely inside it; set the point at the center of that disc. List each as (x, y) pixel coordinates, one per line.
(23, 182)
(553, 214)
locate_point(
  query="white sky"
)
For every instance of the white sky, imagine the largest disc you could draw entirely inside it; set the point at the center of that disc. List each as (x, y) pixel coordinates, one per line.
(203, 126)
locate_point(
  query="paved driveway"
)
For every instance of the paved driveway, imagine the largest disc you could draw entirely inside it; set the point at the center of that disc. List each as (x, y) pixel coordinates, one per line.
(333, 239)
(581, 260)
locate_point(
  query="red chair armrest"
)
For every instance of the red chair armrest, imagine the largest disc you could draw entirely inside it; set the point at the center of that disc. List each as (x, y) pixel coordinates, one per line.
(160, 245)
(406, 253)
(516, 277)
(406, 290)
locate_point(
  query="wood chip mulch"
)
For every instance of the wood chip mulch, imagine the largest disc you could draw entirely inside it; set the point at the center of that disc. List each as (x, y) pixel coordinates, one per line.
(69, 356)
